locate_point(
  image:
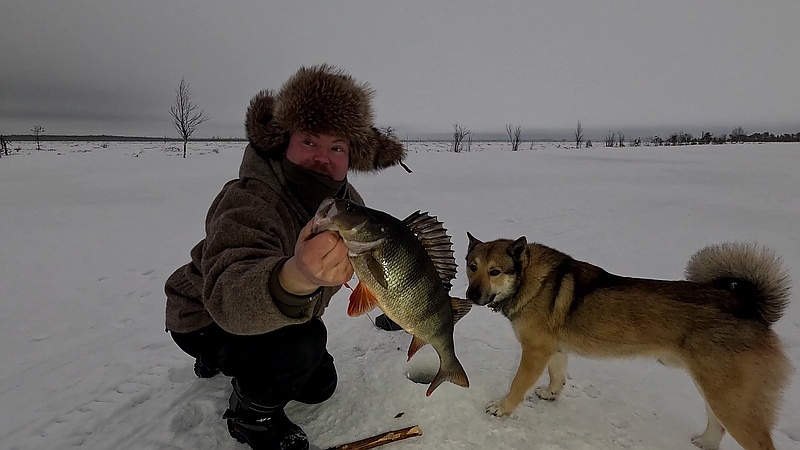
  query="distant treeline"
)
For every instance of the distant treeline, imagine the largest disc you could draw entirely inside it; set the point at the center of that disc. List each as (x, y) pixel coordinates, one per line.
(109, 138)
(736, 137)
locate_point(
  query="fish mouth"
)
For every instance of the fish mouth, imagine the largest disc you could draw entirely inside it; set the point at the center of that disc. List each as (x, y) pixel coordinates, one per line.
(322, 218)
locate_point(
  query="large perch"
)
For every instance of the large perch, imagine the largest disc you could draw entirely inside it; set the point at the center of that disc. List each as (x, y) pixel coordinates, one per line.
(381, 439)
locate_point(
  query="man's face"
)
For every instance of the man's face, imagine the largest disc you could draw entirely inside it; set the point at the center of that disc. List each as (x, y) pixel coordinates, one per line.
(320, 153)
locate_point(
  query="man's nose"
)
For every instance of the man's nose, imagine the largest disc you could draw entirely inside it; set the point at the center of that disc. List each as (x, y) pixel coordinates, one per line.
(321, 157)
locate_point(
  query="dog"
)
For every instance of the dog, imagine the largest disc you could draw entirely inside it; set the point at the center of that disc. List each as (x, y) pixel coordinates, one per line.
(715, 325)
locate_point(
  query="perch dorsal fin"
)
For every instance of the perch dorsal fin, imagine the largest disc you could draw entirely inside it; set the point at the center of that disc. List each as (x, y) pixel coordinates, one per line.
(434, 238)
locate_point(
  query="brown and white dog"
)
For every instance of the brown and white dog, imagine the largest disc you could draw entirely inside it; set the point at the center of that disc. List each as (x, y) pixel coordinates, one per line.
(716, 325)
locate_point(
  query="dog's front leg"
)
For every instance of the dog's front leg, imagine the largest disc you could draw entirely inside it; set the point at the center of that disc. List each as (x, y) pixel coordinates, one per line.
(531, 366)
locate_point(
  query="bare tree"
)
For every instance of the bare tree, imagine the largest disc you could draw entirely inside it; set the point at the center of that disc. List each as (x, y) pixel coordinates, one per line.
(738, 134)
(37, 130)
(578, 135)
(459, 133)
(4, 144)
(514, 134)
(621, 139)
(388, 130)
(185, 114)
(611, 139)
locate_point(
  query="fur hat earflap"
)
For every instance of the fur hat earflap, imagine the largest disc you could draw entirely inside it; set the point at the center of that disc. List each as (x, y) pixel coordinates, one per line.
(325, 100)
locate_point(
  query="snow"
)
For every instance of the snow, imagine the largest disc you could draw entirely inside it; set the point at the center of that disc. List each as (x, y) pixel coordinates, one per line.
(90, 231)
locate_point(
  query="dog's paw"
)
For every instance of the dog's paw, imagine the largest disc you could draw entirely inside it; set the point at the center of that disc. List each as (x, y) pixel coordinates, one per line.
(499, 408)
(705, 442)
(546, 394)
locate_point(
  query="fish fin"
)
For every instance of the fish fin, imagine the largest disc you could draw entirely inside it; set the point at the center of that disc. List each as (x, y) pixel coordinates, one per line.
(416, 344)
(361, 301)
(436, 242)
(454, 374)
(376, 269)
(460, 308)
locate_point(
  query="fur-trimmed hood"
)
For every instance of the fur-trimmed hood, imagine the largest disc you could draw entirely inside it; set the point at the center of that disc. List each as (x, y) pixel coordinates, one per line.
(325, 100)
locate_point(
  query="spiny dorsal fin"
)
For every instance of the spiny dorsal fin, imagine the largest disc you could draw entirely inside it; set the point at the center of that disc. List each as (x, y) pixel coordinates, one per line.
(434, 238)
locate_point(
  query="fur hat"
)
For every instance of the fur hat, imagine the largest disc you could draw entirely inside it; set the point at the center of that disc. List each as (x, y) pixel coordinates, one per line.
(322, 99)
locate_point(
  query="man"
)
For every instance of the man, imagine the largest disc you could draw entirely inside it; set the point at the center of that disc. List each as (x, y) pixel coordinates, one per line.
(250, 302)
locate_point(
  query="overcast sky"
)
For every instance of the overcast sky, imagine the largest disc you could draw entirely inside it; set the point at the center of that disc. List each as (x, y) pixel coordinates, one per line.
(112, 66)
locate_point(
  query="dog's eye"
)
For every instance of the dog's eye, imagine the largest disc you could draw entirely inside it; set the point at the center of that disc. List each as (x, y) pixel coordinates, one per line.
(494, 272)
(473, 267)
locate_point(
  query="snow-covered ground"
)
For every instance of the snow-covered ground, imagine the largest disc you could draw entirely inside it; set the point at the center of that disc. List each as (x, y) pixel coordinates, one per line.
(89, 233)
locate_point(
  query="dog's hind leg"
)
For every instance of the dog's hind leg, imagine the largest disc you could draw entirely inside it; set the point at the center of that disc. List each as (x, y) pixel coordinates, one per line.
(744, 404)
(557, 370)
(531, 366)
(712, 436)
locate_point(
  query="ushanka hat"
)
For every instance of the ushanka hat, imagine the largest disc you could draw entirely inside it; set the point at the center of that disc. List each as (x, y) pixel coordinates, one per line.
(324, 100)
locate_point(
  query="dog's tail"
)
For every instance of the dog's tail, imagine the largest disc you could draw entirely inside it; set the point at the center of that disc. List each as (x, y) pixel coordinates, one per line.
(754, 273)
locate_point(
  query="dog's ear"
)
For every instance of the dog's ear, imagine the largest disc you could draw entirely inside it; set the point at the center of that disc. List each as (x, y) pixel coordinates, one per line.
(472, 242)
(517, 247)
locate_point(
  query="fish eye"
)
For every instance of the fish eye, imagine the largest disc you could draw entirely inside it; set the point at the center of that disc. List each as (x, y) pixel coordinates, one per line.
(494, 272)
(473, 267)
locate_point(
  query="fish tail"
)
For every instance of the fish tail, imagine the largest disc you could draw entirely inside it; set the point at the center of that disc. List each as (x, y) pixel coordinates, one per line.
(452, 372)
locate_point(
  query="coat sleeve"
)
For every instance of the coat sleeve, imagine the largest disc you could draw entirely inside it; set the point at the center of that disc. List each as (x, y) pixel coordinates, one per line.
(248, 234)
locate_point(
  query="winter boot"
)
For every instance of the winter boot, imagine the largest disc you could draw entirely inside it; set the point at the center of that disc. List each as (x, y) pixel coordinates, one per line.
(262, 427)
(385, 323)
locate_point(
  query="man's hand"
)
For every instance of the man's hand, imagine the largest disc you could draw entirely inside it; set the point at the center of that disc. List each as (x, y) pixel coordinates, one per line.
(319, 260)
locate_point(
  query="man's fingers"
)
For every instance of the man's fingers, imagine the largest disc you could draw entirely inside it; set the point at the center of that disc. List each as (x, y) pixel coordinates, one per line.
(305, 232)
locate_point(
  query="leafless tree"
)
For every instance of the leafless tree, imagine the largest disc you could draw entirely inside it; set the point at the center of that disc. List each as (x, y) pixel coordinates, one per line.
(185, 114)
(611, 139)
(514, 134)
(459, 133)
(388, 131)
(620, 139)
(578, 135)
(4, 144)
(738, 134)
(37, 130)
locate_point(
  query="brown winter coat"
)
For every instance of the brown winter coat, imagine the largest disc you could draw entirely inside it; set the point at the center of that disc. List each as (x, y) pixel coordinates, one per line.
(251, 228)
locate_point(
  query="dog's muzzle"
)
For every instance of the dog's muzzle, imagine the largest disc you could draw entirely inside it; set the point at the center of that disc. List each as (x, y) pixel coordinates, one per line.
(475, 296)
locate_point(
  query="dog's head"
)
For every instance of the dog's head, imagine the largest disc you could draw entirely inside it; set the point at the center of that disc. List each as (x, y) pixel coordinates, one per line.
(493, 269)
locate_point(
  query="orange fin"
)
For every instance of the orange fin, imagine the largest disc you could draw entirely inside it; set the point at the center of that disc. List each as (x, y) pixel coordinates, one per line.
(416, 344)
(361, 301)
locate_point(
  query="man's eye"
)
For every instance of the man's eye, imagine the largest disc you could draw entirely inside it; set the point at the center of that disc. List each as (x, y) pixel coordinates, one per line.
(308, 142)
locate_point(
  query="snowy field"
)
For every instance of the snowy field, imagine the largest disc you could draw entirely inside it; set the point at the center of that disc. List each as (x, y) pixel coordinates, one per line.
(89, 233)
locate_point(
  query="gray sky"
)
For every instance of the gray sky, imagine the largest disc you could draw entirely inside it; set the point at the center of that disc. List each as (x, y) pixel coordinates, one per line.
(111, 66)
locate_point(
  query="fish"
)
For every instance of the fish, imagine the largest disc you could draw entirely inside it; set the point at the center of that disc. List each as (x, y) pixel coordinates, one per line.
(404, 267)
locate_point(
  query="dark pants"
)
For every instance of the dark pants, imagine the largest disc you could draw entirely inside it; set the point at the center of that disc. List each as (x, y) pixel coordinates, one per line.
(290, 363)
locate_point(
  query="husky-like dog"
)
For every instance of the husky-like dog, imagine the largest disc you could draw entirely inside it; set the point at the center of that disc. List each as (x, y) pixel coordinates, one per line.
(715, 325)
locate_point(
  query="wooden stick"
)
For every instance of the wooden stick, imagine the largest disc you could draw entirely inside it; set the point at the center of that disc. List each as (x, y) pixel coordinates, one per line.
(381, 439)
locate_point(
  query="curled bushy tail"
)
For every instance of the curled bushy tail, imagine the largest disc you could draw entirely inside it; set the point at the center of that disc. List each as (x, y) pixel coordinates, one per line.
(754, 272)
